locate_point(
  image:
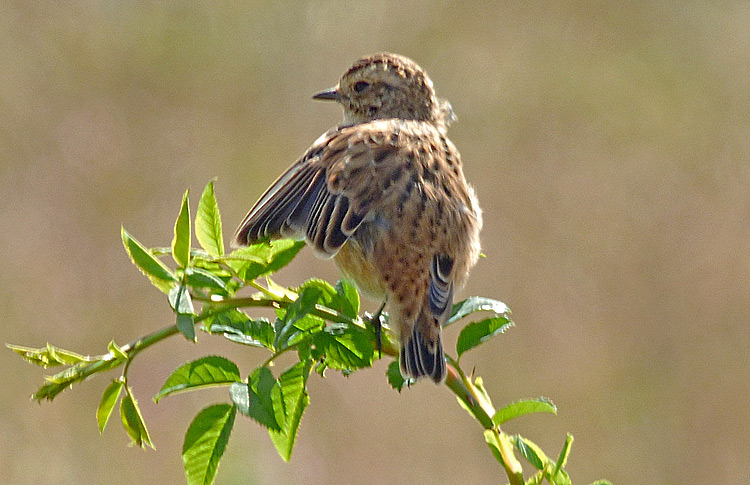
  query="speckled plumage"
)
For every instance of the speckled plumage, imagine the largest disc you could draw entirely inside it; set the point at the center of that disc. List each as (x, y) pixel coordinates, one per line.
(385, 195)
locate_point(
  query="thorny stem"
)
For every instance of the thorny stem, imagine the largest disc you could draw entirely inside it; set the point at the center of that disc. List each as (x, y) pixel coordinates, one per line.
(482, 410)
(457, 381)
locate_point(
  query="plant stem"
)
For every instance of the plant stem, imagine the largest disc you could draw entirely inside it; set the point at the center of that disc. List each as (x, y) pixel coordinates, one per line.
(482, 410)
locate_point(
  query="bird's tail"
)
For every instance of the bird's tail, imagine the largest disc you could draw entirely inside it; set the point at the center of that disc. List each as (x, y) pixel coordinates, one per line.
(422, 355)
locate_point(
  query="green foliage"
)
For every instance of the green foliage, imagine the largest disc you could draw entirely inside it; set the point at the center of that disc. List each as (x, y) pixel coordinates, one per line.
(526, 406)
(479, 332)
(317, 321)
(260, 403)
(107, 404)
(395, 379)
(205, 442)
(159, 273)
(182, 234)
(208, 223)
(204, 372)
(48, 356)
(132, 420)
(290, 399)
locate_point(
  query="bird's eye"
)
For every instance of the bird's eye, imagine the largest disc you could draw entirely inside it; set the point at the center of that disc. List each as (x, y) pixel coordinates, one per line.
(361, 86)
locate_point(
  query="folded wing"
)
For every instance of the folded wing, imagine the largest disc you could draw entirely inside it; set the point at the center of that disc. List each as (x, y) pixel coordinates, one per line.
(327, 194)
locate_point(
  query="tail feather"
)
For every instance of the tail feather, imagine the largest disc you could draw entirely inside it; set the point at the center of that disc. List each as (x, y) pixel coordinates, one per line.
(421, 357)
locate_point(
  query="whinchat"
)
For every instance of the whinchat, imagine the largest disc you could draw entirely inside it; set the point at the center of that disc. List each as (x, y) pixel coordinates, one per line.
(384, 194)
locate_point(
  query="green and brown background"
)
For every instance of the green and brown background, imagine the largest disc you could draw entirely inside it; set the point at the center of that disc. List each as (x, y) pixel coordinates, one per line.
(609, 145)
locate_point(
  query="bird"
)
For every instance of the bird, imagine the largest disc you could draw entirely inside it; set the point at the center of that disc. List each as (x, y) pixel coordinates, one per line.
(383, 193)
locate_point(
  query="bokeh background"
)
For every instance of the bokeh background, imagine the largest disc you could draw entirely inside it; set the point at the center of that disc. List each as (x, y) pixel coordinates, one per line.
(608, 143)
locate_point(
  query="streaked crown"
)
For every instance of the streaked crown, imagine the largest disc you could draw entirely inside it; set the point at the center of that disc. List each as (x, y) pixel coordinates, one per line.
(388, 85)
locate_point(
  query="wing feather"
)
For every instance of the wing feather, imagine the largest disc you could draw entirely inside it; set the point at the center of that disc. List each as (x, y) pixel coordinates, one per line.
(329, 192)
(441, 287)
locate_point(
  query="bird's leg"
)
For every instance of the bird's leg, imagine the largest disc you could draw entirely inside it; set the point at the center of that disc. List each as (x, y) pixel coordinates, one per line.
(375, 321)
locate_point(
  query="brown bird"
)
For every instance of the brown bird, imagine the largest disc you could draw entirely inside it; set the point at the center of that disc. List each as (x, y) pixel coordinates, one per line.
(384, 194)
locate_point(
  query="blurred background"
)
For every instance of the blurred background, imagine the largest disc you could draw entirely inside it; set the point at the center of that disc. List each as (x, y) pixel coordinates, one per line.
(609, 147)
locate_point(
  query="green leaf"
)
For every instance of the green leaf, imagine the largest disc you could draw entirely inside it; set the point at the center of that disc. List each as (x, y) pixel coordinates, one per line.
(562, 458)
(132, 420)
(327, 293)
(208, 223)
(55, 384)
(395, 379)
(531, 452)
(347, 350)
(238, 327)
(116, 351)
(48, 356)
(238, 393)
(200, 278)
(179, 300)
(304, 303)
(181, 303)
(561, 478)
(156, 271)
(254, 398)
(205, 442)
(348, 299)
(482, 393)
(290, 400)
(262, 258)
(107, 404)
(520, 408)
(204, 372)
(186, 326)
(182, 234)
(492, 441)
(602, 482)
(476, 304)
(478, 332)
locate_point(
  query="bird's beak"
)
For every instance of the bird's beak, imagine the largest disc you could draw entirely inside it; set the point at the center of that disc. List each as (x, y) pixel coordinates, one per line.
(328, 95)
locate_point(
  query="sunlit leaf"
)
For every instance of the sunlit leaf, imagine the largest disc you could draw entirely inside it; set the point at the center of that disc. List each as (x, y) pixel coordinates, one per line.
(562, 458)
(520, 408)
(182, 304)
(531, 451)
(290, 400)
(55, 384)
(262, 258)
(306, 301)
(205, 442)
(254, 399)
(395, 379)
(107, 404)
(476, 304)
(157, 272)
(347, 350)
(201, 278)
(476, 333)
(48, 356)
(133, 422)
(348, 301)
(208, 223)
(116, 351)
(326, 291)
(182, 234)
(238, 327)
(204, 372)
(492, 441)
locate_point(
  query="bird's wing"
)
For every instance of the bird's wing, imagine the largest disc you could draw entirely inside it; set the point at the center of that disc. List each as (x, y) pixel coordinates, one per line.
(326, 194)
